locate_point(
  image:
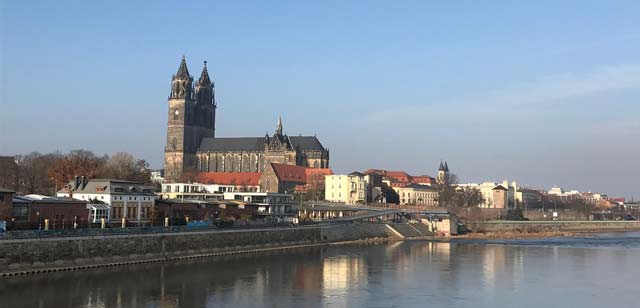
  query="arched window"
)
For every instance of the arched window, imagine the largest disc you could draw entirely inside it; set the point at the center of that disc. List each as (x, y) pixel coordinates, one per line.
(174, 143)
(268, 185)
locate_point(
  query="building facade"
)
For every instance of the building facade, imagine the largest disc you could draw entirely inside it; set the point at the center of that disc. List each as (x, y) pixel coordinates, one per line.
(192, 145)
(41, 212)
(494, 195)
(132, 201)
(416, 194)
(352, 188)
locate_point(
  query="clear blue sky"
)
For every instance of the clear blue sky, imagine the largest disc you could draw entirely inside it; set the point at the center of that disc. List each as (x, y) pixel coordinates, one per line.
(542, 92)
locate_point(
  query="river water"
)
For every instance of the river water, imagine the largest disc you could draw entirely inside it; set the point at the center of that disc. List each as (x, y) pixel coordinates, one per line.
(596, 271)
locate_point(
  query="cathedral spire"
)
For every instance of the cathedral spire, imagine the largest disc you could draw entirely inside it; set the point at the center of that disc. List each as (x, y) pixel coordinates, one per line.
(204, 77)
(279, 127)
(181, 83)
(204, 87)
(182, 70)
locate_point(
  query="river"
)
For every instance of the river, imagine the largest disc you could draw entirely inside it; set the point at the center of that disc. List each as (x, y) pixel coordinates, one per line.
(593, 271)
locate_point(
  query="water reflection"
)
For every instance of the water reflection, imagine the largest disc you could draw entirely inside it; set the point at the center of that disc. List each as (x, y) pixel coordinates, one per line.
(403, 274)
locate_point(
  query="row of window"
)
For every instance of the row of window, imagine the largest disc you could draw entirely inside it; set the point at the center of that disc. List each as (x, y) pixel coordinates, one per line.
(131, 212)
(120, 198)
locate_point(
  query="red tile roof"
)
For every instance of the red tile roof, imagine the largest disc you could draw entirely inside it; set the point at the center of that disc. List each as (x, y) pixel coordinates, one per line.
(230, 178)
(299, 174)
(317, 171)
(290, 173)
(401, 176)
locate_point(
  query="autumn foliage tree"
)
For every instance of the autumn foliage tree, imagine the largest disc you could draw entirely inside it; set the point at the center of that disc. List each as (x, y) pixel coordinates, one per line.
(76, 163)
(43, 173)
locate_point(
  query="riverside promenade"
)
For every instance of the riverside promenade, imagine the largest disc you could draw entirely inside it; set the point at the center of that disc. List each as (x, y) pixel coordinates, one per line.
(22, 256)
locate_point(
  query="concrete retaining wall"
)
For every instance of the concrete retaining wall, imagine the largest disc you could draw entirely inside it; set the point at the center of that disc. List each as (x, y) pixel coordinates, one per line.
(355, 231)
(29, 255)
(549, 226)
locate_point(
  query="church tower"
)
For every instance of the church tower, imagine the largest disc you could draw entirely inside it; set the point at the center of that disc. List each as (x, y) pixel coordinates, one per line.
(182, 127)
(205, 105)
(443, 174)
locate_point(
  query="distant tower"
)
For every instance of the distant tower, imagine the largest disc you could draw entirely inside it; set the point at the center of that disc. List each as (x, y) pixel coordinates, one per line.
(181, 127)
(279, 126)
(443, 174)
(206, 105)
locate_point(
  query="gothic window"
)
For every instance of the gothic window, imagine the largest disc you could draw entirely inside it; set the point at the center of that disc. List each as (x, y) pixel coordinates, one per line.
(174, 143)
(268, 184)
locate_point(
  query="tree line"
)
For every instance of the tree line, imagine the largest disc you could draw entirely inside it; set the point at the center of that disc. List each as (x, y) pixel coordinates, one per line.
(38, 173)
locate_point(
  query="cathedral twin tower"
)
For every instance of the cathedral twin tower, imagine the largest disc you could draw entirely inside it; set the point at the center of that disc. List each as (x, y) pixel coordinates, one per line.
(192, 117)
(193, 147)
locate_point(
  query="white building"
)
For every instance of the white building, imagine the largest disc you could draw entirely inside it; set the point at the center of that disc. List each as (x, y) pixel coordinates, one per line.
(269, 203)
(132, 201)
(196, 191)
(157, 176)
(492, 190)
(564, 195)
(416, 194)
(349, 188)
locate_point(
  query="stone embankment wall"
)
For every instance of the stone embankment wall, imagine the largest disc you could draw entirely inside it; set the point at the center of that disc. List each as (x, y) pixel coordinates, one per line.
(550, 226)
(482, 214)
(25, 255)
(355, 231)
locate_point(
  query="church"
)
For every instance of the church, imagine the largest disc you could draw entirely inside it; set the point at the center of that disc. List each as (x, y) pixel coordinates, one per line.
(193, 146)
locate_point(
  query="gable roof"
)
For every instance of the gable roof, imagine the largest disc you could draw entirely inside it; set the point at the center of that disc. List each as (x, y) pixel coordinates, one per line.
(248, 144)
(230, 178)
(256, 144)
(108, 186)
(322, 171)
(290, 173)
(308, 143)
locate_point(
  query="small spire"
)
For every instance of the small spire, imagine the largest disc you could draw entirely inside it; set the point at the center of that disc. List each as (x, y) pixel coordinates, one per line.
(204, 77)
(441, 168)
(446, 167)
(182, 70)
(279, 127)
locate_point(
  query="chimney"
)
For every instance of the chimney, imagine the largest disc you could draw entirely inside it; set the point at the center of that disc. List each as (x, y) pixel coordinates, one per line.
(77, 183)
(84, 181)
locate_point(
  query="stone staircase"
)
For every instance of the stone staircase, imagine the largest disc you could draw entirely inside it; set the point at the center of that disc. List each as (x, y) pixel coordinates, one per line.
(407, 230)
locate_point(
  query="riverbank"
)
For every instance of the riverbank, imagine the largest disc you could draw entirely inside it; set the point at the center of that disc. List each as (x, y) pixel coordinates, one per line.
(549, 226)
(43, 255)
(543, 229)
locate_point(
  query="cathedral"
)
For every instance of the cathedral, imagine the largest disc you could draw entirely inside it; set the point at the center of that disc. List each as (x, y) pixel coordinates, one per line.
(192, 145)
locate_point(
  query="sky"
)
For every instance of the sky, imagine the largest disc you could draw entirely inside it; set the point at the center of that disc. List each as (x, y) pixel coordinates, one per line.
(546, 93)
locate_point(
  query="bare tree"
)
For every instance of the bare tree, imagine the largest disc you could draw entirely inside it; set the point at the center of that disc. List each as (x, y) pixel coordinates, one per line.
(467, 197)
(447, 193)
(32, 173)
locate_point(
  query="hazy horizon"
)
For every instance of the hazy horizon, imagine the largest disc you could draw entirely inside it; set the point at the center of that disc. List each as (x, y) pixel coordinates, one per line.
(543, 93)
